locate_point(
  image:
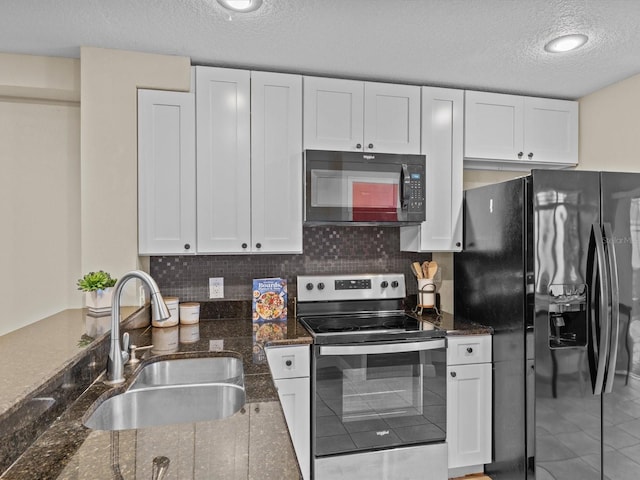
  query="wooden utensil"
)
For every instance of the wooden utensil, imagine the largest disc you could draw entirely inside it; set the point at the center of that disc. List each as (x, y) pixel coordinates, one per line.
(417, 271)
(432, 270)
(425, 269)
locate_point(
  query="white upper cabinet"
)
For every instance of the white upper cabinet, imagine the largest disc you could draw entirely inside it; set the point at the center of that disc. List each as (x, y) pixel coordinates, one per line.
(223, 159)
(442, 139)
(519, 133)
(249, 150)
(166, 173)
(349, 115)
(276, 162)
(391, 118)
(551, 130)
(333, 117)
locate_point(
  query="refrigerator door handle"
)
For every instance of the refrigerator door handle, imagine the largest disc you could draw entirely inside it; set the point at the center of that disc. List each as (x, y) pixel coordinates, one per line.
(599, 323)
(613, 307)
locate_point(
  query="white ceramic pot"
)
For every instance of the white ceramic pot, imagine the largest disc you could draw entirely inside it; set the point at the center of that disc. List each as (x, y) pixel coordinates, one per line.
(99, 301)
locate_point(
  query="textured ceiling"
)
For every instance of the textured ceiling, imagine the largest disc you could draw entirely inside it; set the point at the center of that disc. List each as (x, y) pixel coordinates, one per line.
(494, 45)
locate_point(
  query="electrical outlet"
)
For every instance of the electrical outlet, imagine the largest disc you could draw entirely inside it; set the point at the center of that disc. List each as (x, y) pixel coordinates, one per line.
(216, 287)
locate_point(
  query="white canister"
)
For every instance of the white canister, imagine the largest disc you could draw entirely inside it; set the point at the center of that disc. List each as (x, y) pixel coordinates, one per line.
(189, 333)
(165, 340)
(426, 293)
(189, 313)
(172, 305)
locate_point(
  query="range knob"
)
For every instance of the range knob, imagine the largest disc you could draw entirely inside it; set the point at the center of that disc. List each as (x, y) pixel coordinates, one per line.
(321, 286)
(395, 284)
(384, 284)
(309, 286)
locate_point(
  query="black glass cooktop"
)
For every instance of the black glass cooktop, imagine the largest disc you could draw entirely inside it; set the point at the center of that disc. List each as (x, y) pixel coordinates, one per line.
(357, 328)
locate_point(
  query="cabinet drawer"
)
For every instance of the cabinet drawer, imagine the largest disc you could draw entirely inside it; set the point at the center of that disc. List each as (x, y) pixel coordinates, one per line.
(468, 349)
(288, 361)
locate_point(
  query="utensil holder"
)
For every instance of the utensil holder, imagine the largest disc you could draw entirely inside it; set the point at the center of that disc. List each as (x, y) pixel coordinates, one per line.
(426, 295)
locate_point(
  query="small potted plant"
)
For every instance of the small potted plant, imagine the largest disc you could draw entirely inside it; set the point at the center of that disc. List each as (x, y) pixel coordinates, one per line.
(98, 288)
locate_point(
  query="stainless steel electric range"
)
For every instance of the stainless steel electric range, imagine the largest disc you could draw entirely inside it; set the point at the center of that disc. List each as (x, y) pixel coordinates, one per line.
(378, 380)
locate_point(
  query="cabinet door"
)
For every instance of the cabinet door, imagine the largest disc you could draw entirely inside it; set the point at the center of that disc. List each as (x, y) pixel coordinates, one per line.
(223, 160)
(493, 126)
(295, 399)
(469, 414)
(333, 114)
(166, 173)
(276, 163)
(551, 130)
(442, 137)
(391, 118)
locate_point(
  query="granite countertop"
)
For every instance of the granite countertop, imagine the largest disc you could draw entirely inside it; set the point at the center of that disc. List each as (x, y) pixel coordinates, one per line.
(69, 352)
(49, 346)
(446, 321)
(241, 445)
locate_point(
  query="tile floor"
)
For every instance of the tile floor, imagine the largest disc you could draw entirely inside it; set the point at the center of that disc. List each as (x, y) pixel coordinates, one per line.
(568, 434)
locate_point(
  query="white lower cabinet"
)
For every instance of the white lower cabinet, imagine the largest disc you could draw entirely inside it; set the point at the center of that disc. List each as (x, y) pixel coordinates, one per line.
(469, 374)
(290, 368)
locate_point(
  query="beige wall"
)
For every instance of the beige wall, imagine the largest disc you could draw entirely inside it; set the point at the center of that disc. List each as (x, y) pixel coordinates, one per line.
(61, 160)
(110, 79)
(68, 186)
(39, 187)
(610, 128)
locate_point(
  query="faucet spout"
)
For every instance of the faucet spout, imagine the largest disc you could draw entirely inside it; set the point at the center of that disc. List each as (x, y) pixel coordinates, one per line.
(118, 356)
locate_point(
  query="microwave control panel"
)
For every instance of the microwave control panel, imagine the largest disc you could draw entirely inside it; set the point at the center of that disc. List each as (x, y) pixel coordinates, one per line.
(414, 194)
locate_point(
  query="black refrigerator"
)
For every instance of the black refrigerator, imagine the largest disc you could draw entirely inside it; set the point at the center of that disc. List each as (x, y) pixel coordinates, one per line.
(552, 262)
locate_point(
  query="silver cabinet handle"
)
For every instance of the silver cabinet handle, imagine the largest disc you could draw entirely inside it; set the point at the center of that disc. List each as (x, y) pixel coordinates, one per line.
(373, 348)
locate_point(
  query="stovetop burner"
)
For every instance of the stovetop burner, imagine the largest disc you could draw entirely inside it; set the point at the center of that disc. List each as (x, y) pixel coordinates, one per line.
(358, 328)
(335, 328)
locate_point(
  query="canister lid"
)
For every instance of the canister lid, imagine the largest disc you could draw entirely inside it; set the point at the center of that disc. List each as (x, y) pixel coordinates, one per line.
(190, 305)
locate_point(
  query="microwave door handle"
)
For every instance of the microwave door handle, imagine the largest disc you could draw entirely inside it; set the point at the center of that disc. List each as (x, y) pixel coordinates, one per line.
(374, 348)
(614, 311)
(405, 193)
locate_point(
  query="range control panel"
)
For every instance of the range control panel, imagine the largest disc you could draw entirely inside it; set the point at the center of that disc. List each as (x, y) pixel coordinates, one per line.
(316, 288)
(353, 284)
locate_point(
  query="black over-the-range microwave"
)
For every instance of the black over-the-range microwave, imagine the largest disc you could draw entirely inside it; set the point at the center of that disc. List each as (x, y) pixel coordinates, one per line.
(358, 188)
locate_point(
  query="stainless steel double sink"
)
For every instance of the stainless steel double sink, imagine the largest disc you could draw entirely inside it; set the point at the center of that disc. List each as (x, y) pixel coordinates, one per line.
(183, 390)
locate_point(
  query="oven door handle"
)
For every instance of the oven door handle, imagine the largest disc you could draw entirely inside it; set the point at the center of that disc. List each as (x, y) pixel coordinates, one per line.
(375, 348)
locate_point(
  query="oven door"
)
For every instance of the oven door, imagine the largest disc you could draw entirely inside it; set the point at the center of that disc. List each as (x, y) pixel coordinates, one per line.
(362, 188)
(378, 396)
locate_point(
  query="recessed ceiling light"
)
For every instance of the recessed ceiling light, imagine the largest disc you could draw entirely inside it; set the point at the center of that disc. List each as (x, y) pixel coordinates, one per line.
(243, 6)
(566, 43)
